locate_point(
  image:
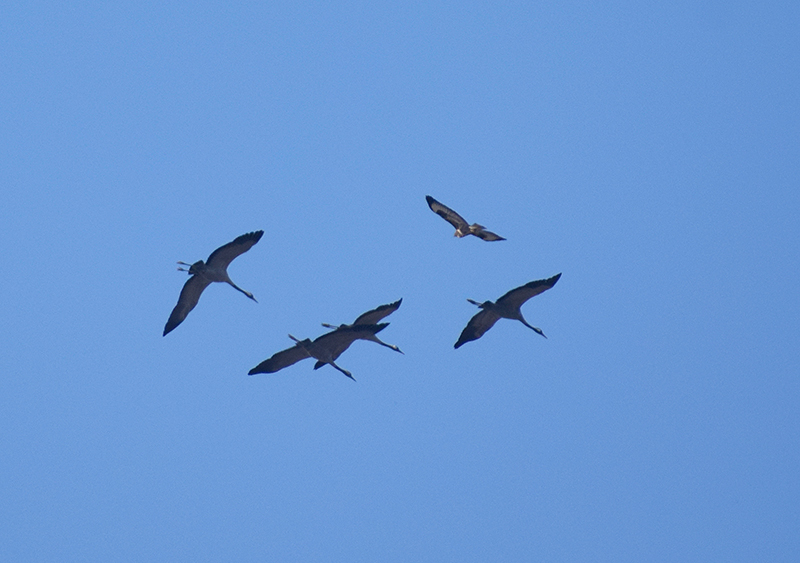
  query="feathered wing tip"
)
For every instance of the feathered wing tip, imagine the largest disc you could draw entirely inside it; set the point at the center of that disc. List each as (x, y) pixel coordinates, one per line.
(548, 283)
(260, 368)
(225, 254)
(488, 236)
(252, 237)
(190, 295)
(519, 295)
(374, 315)
(481, 232)
(281, 359)
(477, 326)
(448, 215)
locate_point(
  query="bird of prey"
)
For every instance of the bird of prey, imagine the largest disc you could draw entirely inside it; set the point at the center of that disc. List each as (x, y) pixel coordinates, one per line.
(462, 227)
(326, 349)
(372, 317)
(215, 269)
(507, 307)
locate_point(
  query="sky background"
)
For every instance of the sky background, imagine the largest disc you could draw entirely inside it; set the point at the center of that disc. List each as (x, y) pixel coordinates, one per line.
(650, 151)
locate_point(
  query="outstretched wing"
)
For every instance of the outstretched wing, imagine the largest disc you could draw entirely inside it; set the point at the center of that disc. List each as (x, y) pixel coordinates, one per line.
(447, 214)
(280, 360)
(477, 327)
(488, 235)
(516, 297)
(190, 295)
(225, 254)
(376, 314)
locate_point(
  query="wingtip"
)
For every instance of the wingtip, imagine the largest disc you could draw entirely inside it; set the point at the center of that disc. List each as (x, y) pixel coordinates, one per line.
(258, 369)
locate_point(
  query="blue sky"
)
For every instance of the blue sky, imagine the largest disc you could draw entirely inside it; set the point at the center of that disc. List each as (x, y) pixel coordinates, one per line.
(648, 151)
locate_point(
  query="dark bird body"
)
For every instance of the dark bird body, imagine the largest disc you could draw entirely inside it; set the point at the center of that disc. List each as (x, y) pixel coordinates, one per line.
(326, 349)
(215, 269)
(373, 317)
(462, 227)
(507, 307)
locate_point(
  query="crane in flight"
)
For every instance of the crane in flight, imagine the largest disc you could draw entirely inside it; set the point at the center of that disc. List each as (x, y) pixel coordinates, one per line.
(325, 349)
(506, 307)
(215, 269)
(373, 317)
(462, 227)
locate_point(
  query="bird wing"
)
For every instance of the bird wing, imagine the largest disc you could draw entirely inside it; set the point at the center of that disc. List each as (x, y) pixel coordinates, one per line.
(488, 235)
(477, 326)
(190, 295)
(447, 214)
(225, 254)
(280, 360)
(336, 341)
(516, 297)
(376, 314)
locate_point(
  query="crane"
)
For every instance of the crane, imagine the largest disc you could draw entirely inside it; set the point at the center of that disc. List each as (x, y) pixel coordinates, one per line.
(215, 269)
(506, 307)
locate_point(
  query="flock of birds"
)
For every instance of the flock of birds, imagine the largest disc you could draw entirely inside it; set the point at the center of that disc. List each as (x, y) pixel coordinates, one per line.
(327, 348)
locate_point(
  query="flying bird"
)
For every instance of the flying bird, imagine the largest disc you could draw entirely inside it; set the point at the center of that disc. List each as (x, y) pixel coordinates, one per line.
(462, 227)
(370, 318)
(326, 349)
(507, 307)
(215, 269)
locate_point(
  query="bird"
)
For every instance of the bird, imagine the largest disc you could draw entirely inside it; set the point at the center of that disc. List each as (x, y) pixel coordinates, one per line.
(370, 318)
(462, 227)
(215, 269)
(507, 307)
(326, 349)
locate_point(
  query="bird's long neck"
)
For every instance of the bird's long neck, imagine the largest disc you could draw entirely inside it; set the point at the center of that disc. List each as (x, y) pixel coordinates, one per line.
(533, 328)
(234, 286)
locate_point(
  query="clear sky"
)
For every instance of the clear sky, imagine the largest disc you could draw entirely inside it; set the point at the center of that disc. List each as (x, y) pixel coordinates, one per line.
(650, 151)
